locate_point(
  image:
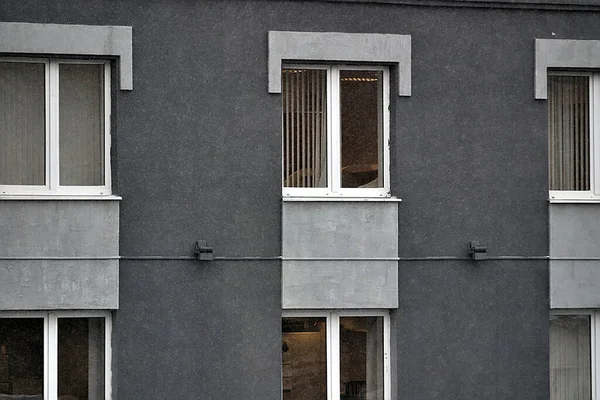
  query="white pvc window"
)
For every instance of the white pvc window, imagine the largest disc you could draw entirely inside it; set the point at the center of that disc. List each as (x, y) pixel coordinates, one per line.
(335, 131)
(574, 344)
(336, 355)
(573, 145)
(55, 355)
(54, 127)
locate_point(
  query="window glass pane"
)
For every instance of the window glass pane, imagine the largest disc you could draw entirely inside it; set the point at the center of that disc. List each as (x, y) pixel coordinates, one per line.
(22, 124)
(568, 131)
(304, 359)
(570, 363)
(81, 355)
(304, 96)
(361, 116)
(361, 358)
(22, 357)
(81, 134)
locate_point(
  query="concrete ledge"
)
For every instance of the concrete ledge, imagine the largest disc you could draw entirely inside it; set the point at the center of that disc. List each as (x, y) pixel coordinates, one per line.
(55, 285)
(347, 284)
(562, 53)
(340, 47)
(71, 40)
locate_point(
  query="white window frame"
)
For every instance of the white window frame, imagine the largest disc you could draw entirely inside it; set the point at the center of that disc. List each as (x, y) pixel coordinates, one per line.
(334, 188)
(333, 345)
(51, 345)
(594, 344)
(594, 112)
(52, 149)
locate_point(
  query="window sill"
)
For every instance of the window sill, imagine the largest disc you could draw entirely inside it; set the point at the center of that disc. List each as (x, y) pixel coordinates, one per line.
(574, 201)
(355, 199)
(59, 197)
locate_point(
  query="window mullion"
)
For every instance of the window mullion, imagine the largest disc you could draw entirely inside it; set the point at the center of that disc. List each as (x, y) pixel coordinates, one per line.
(594, 119)
(335, 130)
(53, 140)
(51, 368)
(333, 356)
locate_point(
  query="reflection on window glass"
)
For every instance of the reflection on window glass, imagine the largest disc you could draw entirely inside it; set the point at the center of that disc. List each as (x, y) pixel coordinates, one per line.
(361, 358)
(81, 137)
(569, 132)
(570, 357)
(361, 115)
(22, 356)
(22, 124)
(304, 359)
(81, 358)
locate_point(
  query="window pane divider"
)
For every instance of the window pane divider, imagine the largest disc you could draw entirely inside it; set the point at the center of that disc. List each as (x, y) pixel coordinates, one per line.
(52, 383)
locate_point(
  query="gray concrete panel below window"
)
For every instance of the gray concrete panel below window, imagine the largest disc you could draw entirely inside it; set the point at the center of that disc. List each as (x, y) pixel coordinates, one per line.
(61, 228)
(574, 284)
(574, 230)
(574, 236)
(59, 284)
(74, 40)
(331, 229)
(339, 284)
(562, 53)
(340, 47)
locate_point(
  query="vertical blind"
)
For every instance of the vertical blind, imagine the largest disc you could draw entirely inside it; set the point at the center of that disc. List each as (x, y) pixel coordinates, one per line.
(304, 94)
(81, 137)
(22, 123)
(570, 358)
(569, 132)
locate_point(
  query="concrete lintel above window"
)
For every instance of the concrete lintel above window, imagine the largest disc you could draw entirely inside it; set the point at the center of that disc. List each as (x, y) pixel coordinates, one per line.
(340, 47)
(562, 53)
(58, 39)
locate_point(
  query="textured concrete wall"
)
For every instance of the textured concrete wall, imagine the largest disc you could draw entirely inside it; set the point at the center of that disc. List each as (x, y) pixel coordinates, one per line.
(575, 233)
(337, 254)
(72, 243)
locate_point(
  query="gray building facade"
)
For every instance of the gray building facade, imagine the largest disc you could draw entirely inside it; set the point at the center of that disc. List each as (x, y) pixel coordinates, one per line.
(193, 148)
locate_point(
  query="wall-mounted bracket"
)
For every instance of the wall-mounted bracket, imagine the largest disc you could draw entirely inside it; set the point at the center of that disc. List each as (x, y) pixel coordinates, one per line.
(477, 251)
(203, 251)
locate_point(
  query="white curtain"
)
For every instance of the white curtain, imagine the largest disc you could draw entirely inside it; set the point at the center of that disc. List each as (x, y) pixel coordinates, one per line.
(568, 131)
(570, 358)
(22, 124)
(304, 94)
(81, 134)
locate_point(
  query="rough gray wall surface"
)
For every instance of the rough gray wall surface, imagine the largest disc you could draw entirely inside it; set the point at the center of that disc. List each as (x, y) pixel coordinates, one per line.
(199, 331)
(59, 228)
(198, 149)
(472, 331)
(59, 284)
(574, 232)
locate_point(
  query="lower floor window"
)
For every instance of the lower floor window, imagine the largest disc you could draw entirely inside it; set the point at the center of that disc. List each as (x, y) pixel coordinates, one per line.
(336, 355)
(572, 361)
(55, 355)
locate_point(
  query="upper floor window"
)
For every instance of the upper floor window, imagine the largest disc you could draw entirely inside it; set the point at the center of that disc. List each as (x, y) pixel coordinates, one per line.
(574, 145)
(54, 127)
(335, 131)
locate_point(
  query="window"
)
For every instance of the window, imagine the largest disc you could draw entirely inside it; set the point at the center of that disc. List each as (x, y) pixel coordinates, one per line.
(574, 148)
(335, 131)
(55, 355)
(573, 360)
(54, 127)
(335, 355)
